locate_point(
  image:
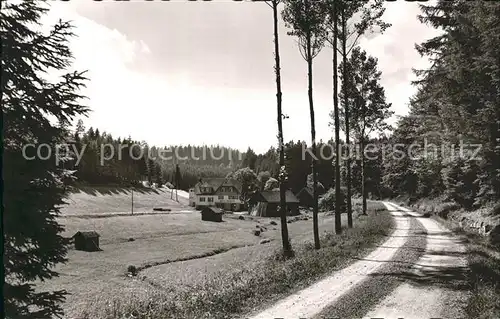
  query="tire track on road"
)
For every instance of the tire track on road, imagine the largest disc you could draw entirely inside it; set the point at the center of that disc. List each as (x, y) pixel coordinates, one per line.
(437, 286)
(364, 296)
(309, 302)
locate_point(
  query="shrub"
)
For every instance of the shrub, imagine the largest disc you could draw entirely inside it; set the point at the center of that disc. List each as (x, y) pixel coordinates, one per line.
(496, 210)
(327, 202)
(460, 181)
(442, 210)
(169, 185)
(131, 269)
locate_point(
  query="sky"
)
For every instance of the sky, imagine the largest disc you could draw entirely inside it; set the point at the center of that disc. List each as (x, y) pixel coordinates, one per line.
(196, 73)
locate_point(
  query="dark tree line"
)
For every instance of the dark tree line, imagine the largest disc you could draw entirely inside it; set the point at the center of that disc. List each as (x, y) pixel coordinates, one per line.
(106, 160)
(124, 165)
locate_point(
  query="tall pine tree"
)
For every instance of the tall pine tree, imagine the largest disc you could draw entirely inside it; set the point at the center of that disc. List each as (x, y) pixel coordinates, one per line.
(366, 98)
(306, 20)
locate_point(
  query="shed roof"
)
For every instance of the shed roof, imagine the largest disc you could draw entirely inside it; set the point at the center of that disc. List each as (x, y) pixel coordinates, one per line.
(216, 183)
(273, 196)
(306, 190)
(87, 234)
(215, 210)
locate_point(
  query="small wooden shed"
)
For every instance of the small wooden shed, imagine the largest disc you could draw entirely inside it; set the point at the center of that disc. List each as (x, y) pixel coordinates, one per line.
(212, 214)
(266, 203)
(306, 197)
(86, 241)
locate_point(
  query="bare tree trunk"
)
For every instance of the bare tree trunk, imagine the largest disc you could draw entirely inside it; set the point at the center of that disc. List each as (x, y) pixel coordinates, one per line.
(363, 187)
(313, 142)
(347, 138)
(287, 248)
(338, 199)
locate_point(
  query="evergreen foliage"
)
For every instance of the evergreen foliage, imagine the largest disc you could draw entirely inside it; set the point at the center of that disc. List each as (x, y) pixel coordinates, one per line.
(36, 111)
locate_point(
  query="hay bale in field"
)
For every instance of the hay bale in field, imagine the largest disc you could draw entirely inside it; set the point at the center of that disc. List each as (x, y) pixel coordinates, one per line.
(132, 270)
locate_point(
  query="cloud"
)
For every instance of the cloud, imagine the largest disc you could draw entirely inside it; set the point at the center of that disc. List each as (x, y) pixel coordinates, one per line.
(395, 50)
(172, 73)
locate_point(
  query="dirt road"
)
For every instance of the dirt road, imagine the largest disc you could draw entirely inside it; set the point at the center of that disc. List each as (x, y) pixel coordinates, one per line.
(419, 272)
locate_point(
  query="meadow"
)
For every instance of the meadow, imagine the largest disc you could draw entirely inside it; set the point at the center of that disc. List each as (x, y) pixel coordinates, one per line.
(173, 251)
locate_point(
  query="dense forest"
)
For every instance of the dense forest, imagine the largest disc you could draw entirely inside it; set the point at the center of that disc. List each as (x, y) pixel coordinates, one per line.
(107, 160)
(456, 108)
(125, 170)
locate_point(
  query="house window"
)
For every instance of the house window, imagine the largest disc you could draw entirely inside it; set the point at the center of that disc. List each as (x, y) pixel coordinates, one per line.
(202, 199)
(221, 196)
(210, 199)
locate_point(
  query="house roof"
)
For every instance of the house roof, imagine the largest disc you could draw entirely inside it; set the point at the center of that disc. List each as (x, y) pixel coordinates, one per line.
(274, 196)
(309, 190)
(216, 183)
(213, 209)
(87, 234)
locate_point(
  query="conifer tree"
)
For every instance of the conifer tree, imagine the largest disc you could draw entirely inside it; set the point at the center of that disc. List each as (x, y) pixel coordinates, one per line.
(34, 189)
(366, 99)
(306, 20)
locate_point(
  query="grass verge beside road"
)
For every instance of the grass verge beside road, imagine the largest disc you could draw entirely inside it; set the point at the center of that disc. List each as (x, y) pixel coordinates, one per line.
(484, 275)
(484, 265)
(240, 292)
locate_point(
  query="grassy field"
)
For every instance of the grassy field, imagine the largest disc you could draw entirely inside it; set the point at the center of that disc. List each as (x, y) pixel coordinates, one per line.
(174, 251)
(237, 280)
(195, 272)
(97, 201)
(162, 240)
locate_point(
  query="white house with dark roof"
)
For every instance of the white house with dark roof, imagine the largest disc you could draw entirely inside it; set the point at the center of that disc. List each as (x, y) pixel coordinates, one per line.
(219, 192)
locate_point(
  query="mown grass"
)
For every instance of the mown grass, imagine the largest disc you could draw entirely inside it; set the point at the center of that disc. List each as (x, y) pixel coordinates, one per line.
(88, 201)
(233, 294)
(484, 302)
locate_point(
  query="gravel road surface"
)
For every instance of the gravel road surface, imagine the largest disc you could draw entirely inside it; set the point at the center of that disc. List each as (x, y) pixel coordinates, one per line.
(419, 272)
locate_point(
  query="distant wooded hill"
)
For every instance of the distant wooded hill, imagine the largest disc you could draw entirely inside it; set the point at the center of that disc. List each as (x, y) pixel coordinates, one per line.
(128, 167)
